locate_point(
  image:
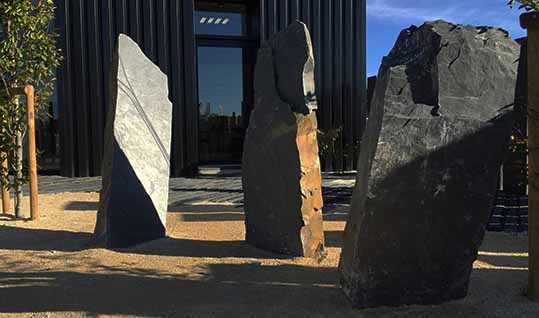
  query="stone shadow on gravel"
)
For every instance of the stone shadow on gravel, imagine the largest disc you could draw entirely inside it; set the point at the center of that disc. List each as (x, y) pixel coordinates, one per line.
(505, 244)
(225, 290)
(207, 212)
(170, 246)
(334, 238)
(333, 215)
(211, 217)
(25, 239)
(219, 190)
(237, 290)
(14, 238)
(90, 206)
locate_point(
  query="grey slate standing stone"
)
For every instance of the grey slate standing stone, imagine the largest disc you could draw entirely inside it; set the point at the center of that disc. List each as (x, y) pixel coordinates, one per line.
(281, 169)
(428, 166)
(136, 163)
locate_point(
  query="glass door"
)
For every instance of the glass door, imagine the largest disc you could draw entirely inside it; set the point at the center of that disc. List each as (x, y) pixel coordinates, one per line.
(221, 99)
(227, 38)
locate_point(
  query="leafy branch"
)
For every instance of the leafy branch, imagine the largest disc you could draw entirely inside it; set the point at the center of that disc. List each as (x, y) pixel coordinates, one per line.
(528, 5)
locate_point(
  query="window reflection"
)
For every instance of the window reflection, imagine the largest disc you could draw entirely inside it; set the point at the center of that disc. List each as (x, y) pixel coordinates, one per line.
(220, 83)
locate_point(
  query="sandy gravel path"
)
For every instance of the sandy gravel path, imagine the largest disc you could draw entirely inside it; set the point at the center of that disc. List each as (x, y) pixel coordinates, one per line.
(204, 269)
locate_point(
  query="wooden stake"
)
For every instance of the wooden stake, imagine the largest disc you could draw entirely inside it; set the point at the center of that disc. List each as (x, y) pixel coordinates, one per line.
(32, 161)
(530, 21)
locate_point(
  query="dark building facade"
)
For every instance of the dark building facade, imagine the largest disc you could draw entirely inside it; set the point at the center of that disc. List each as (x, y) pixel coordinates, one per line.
(208, 50)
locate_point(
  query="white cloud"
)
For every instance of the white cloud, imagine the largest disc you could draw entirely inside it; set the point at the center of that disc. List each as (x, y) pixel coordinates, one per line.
(417, 12)
(393, 10)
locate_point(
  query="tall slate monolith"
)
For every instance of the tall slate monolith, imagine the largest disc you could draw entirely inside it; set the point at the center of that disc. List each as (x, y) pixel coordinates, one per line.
(281, 169)
(428, 165)
(134, 195)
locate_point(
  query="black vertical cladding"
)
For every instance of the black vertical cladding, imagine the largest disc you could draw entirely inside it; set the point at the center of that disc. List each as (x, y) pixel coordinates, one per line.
(88, 33)
(338, 119)
(347, 57)
(96, 96)
(338, 32)
(148, 32)
(65, 97)
(177, 82)
(327, 69)
(359, 19)
(121, 17)
(107, 40)
(164, 30)
(80, 52)
(133, 16)
(190, 89)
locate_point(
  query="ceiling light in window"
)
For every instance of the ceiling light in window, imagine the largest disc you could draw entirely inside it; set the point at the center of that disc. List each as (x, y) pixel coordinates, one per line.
(225, 21)
(210, 20)
(203, 20)
(218, 20)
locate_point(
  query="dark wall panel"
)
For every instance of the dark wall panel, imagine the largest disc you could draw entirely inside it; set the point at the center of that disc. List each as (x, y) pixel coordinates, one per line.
(88, 32)
(190, 90)
(164, 30)
(64, 87)
(338, 32)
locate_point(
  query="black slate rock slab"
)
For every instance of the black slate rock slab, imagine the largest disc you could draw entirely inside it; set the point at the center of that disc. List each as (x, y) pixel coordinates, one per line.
(428, 166)
(281, 175)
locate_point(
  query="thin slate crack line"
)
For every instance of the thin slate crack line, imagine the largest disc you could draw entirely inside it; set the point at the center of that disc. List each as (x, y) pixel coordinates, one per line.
(139, 108)
(455, 59)
(148, 125)
(128, 90)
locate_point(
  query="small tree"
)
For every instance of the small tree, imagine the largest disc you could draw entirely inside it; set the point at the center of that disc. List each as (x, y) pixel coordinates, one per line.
(28, 56)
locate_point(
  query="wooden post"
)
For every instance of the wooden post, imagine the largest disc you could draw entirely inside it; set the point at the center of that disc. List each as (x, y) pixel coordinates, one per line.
(28, 90)
(32, 161)
(530, 21)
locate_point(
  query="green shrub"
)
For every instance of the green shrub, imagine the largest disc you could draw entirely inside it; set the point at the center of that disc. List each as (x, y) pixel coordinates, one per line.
(28, 57)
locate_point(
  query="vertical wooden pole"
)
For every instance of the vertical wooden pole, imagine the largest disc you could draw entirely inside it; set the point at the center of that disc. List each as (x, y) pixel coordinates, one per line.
(32, 161)
(530, 21)
(6, 203)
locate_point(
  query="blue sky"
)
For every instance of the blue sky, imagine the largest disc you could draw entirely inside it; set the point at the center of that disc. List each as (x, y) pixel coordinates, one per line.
(386, 18)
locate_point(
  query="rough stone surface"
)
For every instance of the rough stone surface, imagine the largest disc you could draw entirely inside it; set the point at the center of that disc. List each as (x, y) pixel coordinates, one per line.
(134, 194)
(428, 165)
(281, 169)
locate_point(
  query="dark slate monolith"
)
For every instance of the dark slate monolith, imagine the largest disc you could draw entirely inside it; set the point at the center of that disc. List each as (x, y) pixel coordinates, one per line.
(428, 166)
(134, 195)
(281, 169)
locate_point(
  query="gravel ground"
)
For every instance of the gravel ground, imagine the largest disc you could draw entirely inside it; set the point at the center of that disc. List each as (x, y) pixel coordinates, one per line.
(204, 269)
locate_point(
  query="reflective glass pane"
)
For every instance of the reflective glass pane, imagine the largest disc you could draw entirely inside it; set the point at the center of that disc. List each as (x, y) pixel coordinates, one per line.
(220, 85)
